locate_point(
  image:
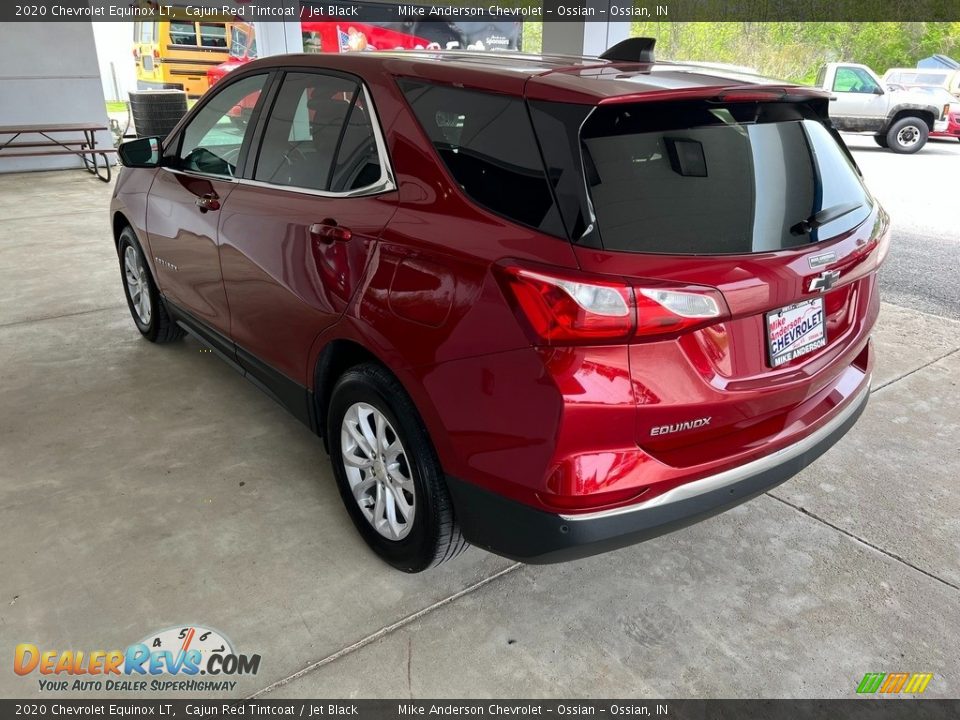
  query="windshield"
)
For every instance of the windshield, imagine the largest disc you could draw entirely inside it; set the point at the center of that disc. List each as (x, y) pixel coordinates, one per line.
(696, 178)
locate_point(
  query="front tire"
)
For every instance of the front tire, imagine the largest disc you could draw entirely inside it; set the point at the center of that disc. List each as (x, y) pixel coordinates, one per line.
(881, 140)
(146, 307)
(388, 473)
(907, 136)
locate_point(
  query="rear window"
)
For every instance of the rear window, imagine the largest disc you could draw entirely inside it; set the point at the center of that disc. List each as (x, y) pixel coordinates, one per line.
(183, 33)
(696, 178)
(213, 35)
(487, 143)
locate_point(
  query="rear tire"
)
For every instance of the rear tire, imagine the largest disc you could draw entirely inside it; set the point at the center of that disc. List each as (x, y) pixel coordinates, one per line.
(388, 473)
(907, 136)
(146, 306)
(880, 140)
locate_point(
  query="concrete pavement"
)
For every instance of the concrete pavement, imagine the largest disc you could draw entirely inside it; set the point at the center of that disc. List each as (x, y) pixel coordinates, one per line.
(923, 268)
(143, 487)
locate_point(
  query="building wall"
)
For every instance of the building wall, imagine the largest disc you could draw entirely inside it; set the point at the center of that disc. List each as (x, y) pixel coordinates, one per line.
(118, 69)
(49, 75)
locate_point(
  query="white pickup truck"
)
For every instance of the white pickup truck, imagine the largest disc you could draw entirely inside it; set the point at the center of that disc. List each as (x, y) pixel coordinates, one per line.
(897, 119)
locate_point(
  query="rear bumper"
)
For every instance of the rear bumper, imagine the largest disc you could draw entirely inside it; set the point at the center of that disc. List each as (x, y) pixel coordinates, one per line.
(521, 532)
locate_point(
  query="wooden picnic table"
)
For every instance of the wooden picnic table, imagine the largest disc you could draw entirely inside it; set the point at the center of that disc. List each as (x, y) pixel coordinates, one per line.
(86, 148)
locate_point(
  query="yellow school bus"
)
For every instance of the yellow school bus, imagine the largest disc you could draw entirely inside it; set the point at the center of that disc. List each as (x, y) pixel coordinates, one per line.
(177, 53)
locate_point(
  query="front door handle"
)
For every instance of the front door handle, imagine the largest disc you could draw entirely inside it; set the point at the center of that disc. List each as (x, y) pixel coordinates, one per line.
(329, 231)
(210, 201)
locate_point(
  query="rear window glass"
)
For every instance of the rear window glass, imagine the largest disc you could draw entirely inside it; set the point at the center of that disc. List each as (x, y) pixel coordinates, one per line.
(213, 35)
(487, 143)
(693, 178)
(183, 33)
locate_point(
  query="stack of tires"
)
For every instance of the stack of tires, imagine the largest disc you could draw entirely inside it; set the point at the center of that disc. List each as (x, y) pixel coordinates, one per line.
(156, 112)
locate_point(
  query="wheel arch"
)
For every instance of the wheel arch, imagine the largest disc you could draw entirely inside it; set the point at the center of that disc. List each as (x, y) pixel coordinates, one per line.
(120, 221)
(341, 353)
(901, 112)
(335, 358)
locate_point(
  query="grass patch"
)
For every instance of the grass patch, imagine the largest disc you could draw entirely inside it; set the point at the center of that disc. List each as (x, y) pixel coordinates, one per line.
(113, 107)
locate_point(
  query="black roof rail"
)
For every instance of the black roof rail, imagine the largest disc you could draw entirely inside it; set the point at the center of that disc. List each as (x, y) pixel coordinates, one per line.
(639, 49)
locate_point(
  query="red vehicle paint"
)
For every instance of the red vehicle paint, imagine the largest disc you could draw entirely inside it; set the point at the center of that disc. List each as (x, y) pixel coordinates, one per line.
(953, 127)
(584, 386)
(319, 36)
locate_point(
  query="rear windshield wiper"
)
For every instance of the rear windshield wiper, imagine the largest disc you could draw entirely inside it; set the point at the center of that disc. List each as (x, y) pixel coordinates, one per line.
(823, 217)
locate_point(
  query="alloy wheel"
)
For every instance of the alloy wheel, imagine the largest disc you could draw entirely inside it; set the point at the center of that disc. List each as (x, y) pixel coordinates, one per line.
(378, 471)
(138, 285)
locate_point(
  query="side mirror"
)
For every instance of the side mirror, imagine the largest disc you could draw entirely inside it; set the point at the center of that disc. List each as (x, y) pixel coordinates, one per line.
(140, 153)
(877, 90)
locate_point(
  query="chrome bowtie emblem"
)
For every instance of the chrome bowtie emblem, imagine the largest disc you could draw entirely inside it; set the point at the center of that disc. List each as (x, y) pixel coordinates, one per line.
(824, 281)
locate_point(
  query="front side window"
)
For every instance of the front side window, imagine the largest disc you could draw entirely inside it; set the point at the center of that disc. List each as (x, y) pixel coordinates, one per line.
(853, 80)
(320, 136)
(213, 138)
(487, 143)
(698, 178)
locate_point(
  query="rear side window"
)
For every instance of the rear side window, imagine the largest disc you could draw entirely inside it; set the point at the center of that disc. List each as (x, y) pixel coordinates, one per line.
(693, 178)
(183, 33)
(213, 35)
(320, 136)
(487, 144)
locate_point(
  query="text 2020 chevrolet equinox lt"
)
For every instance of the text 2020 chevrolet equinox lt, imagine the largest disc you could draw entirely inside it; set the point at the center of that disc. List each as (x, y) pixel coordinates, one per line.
(549, 306)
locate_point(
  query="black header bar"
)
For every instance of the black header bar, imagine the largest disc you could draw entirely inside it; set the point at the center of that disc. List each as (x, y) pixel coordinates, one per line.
(470, 10)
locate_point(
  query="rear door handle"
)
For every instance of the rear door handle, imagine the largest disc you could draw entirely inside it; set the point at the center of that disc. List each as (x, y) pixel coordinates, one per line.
(210, 201)
(329, 231)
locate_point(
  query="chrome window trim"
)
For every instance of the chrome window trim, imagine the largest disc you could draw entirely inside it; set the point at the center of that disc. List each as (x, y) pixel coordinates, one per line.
(385, 183)
(202, 176)
(735, 475)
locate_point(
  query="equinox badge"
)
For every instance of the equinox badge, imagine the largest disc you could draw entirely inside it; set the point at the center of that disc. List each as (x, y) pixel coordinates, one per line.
(677, 427)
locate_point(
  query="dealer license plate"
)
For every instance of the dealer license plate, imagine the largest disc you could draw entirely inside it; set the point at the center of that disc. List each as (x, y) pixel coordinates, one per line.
(795, 330)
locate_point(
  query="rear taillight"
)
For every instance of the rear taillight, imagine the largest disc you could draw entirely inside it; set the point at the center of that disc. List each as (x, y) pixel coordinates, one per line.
(663, 310)
(562, 308)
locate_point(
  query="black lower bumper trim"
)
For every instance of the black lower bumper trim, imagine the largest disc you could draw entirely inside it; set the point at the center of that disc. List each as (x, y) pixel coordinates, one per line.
(521, 532)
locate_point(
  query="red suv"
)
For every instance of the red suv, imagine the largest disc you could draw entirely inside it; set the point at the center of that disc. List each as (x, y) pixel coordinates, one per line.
(549, 306)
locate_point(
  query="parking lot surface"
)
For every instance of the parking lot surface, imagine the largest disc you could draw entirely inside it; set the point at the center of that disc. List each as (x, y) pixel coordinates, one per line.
(145, 487)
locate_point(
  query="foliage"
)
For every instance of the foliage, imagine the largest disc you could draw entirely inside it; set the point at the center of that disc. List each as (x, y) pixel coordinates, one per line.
(532, 37)
(796, 50)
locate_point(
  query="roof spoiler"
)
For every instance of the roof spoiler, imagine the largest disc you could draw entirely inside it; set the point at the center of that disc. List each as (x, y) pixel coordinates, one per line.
(632, 50)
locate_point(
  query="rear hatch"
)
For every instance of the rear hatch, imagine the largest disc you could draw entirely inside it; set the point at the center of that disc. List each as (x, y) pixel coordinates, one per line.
(746, 217)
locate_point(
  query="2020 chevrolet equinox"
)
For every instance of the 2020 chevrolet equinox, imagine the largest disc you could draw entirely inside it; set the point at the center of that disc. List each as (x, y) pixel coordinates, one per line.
(545, 305)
